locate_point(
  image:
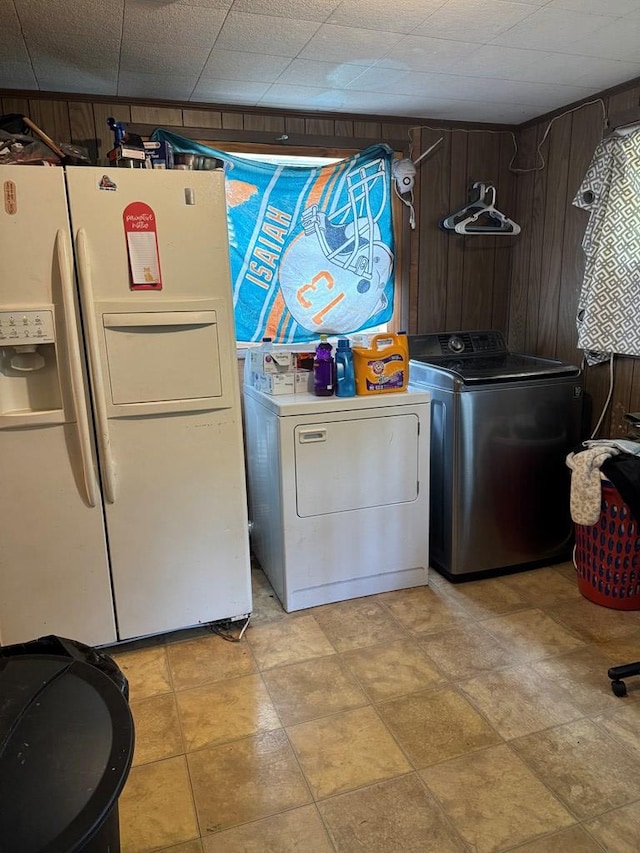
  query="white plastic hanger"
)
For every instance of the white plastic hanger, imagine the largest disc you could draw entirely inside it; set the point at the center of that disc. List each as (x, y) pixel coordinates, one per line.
(465, 221)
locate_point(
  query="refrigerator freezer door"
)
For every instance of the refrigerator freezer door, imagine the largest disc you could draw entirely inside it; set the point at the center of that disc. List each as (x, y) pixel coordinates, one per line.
(53, 557)
(165, 389)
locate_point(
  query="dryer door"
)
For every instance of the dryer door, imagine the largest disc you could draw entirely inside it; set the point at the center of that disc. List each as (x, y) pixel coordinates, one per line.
(347, 465)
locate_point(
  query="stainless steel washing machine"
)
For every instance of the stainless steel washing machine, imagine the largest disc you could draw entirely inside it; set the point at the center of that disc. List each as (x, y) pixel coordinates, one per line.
(501, 426)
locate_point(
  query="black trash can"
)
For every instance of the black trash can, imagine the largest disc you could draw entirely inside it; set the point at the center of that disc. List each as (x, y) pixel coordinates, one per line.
(66, 746)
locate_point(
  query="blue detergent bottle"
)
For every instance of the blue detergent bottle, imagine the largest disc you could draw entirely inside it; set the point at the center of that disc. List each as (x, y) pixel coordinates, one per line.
(345, 376)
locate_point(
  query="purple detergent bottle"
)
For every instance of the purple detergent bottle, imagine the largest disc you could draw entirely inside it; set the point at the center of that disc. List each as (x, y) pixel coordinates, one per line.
(323, 369)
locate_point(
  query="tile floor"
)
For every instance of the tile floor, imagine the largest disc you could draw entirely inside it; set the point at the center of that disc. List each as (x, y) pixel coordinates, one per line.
(475, 717)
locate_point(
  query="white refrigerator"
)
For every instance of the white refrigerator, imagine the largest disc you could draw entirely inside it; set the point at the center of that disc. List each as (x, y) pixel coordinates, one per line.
(122, 486)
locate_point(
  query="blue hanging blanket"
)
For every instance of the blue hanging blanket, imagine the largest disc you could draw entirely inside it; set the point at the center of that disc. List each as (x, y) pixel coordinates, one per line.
(311, 248)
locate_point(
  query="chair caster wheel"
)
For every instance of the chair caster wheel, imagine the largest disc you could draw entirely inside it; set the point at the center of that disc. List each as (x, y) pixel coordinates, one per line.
(619, 688)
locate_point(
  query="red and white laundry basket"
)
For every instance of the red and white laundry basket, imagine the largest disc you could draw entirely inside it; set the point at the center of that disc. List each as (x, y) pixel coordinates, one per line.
(607, 554)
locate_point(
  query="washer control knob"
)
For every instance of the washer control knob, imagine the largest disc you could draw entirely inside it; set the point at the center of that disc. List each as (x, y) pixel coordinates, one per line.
(456, 344)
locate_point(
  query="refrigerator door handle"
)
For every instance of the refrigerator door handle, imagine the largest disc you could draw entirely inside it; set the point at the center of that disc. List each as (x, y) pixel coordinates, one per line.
(65, 264)
(102, 420)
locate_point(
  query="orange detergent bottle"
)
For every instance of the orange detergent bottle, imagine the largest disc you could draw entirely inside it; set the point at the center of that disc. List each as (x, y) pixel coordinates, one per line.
(383, 366)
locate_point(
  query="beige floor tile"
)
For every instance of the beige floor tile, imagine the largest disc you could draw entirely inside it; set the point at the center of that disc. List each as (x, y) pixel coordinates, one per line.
(244, 781)
(566, 570)
(398, 816)
(618, 830)
(315, 688)
(157, 728)
(623, 724)
(189, 847)
(485, 598)
(225, 711)
(623, 650)
(585, 767)
(288, 641)
(424, 609)
(543, 586)
(518, 700)
(296, 831)
(437, 725)
(583, 674)
(208, 659)
(463, 652)
(146, 670)
(156, 807)
(346, 751)
(595, 623)
(572, 840)
(505, 803)
(355, 624)
(393, 669)
(532, 634)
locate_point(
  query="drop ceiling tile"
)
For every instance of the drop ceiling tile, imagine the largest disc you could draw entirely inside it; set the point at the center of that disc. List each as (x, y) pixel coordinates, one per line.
(169, 87)
(17, 75)
(611, 8)
(310, 72)
(478, 111)
(181, 24)
(265, 34)
(95, 17)
(420, 53)
(285, 96)
(12, 49)
(511, 63)
(63, 51)
(238, 65)
(229, 91)
(479, 22)
(98, 81)
(348, 44)
(163, 58)
(310, 10)
(620, 40)
(552, 29)
(382, 15)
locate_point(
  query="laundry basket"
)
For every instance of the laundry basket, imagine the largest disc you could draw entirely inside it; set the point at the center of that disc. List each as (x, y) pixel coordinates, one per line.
(607, 555)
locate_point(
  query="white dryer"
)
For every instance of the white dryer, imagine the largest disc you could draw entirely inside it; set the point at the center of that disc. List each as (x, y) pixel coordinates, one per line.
(339, 493)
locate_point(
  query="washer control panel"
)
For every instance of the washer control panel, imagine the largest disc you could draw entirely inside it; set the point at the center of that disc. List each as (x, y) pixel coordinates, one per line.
(26, 327)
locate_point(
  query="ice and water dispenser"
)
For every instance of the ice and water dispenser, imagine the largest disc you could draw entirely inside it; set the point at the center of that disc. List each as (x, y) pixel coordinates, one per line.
(29, 381)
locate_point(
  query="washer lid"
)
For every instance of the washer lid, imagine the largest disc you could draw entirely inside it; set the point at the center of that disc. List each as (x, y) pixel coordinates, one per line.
(498, 368)
(66, 745)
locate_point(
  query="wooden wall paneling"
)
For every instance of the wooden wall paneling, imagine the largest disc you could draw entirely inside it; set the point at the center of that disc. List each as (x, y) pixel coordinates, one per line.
(626, 371)
(456, 143)
(160, 116)
(527, 141)
(15, 105)
(411, 290)
(319, 127)
(83, 130)
(586, 131)
(536, 251)
(557, 168)
(52, 117)
(202, 118)
(232, 121)
(397, 136)
(261, 122)
(295, 124)
(343, 128)
(479, 261)
(367, 130)
(103, 135)
(506, 192)
(433, 175)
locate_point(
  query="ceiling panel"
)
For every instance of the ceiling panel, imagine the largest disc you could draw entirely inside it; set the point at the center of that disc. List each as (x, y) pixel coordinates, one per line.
(466, 60)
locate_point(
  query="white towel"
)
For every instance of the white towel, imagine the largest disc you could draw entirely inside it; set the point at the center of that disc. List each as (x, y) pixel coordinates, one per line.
(586, 492)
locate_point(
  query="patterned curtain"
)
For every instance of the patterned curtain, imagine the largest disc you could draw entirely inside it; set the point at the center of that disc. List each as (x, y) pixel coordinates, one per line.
(311, 248)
